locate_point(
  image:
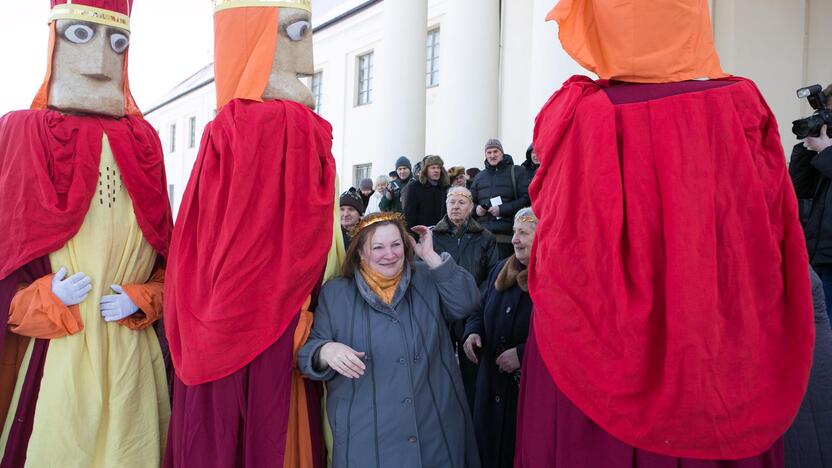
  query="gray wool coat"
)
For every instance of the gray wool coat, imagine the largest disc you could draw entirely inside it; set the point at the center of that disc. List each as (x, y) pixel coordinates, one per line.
(409, 407)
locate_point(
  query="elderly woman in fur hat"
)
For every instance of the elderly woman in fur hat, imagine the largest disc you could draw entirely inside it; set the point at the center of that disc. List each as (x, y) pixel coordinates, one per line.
(496, 335)
(380, 344)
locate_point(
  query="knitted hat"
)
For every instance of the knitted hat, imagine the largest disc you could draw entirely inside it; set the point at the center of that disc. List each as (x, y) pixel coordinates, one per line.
(366, 184)
(403, 162)
(352, 198)
(494, 143)
(455, 172)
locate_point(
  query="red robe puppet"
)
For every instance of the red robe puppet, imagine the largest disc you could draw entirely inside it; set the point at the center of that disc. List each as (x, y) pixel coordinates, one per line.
(49, 176)
(250, 245)
(673, 320)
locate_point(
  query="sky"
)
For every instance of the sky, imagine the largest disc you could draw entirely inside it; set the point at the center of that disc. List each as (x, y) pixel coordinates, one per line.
(170, 40)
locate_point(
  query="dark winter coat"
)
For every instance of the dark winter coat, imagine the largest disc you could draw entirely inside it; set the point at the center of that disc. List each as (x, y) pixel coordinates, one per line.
(809, 441)
(503, 323)
(811, 175)
(474, 249)
(408, 409)
(529, 165)
(395, 202)
(496, 181)
(424, 203)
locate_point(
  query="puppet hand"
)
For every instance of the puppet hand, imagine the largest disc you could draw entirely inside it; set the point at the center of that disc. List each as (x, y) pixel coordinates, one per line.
(117, 306)
(73, 290)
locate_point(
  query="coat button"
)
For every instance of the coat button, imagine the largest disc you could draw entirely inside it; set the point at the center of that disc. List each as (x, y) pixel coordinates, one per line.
(394, 320)
(497, 399)
(508, 311)
(401, 361)
(408, 401)
(412, 439)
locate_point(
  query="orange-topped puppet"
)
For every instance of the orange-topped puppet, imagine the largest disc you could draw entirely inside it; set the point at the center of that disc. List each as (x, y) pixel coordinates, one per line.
(84, 231)
(673, 318)
(251, 245)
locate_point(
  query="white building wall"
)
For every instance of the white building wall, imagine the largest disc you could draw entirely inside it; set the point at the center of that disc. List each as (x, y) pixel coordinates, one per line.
(780, 45)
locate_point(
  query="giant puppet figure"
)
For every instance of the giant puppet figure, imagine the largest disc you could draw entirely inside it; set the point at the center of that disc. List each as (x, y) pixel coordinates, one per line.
(84, 229)
(673, 316)
(252, 241)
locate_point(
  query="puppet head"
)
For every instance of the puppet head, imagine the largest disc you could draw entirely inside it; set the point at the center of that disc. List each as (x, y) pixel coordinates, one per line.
(640, 41)
(87, 71)
(261, 48)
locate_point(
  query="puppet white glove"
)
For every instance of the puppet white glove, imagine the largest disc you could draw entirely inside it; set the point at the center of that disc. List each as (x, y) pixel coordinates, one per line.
(117, 306)
(73, 290)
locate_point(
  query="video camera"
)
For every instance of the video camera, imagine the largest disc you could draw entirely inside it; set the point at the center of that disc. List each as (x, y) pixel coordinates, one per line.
(810, 126)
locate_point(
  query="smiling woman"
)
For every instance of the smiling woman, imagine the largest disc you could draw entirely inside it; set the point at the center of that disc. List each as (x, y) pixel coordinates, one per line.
(380, 343)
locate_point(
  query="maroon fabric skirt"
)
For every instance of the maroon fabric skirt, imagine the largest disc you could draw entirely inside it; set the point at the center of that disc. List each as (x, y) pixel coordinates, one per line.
(554, 433)
(237, 421)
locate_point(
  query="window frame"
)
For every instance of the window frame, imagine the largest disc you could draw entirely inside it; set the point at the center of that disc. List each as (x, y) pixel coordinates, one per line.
(364, 75)
(433, 49)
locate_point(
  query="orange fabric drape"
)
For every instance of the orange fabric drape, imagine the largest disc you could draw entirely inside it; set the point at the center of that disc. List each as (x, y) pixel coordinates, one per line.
(149, 297)
(36, 312)
(41, 100)
(299, 450)
(639, 41)
(244, 47)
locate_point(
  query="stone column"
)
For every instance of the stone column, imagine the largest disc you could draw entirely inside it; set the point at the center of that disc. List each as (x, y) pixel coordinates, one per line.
(401, 83)
(469, 79)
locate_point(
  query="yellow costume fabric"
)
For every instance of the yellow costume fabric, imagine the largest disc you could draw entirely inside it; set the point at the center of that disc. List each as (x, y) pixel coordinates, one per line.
(103, 399)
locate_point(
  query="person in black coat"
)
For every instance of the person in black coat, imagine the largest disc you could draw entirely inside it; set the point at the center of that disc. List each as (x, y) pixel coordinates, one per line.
(499, 191)
(403, 177)
(531, 163)
(424, 199)
(352, 209)
(472, 248)
(495, 338)
(810, 169)
(808, 443)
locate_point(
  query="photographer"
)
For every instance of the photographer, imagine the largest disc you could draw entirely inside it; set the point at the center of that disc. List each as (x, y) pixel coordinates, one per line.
(811, 173)
(392, 197)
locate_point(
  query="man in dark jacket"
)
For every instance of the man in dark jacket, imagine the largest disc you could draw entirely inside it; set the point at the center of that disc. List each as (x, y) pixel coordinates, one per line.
(392, 197)
(811, 172)
(425, 198)
(352, 209)
(531, 163)
(472, 248)
(500, 191)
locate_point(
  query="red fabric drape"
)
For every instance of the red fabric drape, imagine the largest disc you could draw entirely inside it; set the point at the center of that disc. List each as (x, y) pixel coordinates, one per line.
(671, 291)
(49, 174)
(251, 237)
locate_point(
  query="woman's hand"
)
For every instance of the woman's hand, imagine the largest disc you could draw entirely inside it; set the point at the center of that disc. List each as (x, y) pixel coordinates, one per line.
(342, 359)
(509, 362)
(424, 248)
(471, 345)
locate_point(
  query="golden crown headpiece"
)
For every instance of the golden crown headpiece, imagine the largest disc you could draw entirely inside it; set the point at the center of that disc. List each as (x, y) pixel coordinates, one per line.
(92, 14)
(220, 5)
(374, 218)
(527, 219)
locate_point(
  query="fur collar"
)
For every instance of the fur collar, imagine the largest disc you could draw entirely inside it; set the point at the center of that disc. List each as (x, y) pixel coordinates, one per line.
(444, 225)
(512, 274)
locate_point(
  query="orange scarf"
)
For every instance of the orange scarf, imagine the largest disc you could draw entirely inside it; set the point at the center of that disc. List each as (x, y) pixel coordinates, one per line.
(383, 286)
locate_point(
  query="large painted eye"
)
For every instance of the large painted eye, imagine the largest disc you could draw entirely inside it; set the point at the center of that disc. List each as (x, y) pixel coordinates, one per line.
(79, 33)
(297, 30)
(119, 42)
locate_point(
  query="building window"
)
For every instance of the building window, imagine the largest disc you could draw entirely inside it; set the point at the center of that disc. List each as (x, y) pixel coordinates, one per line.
(365, 80)
(432, 68)
(361, 172)
(191, 132)
(315, 87)
(172, 138)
